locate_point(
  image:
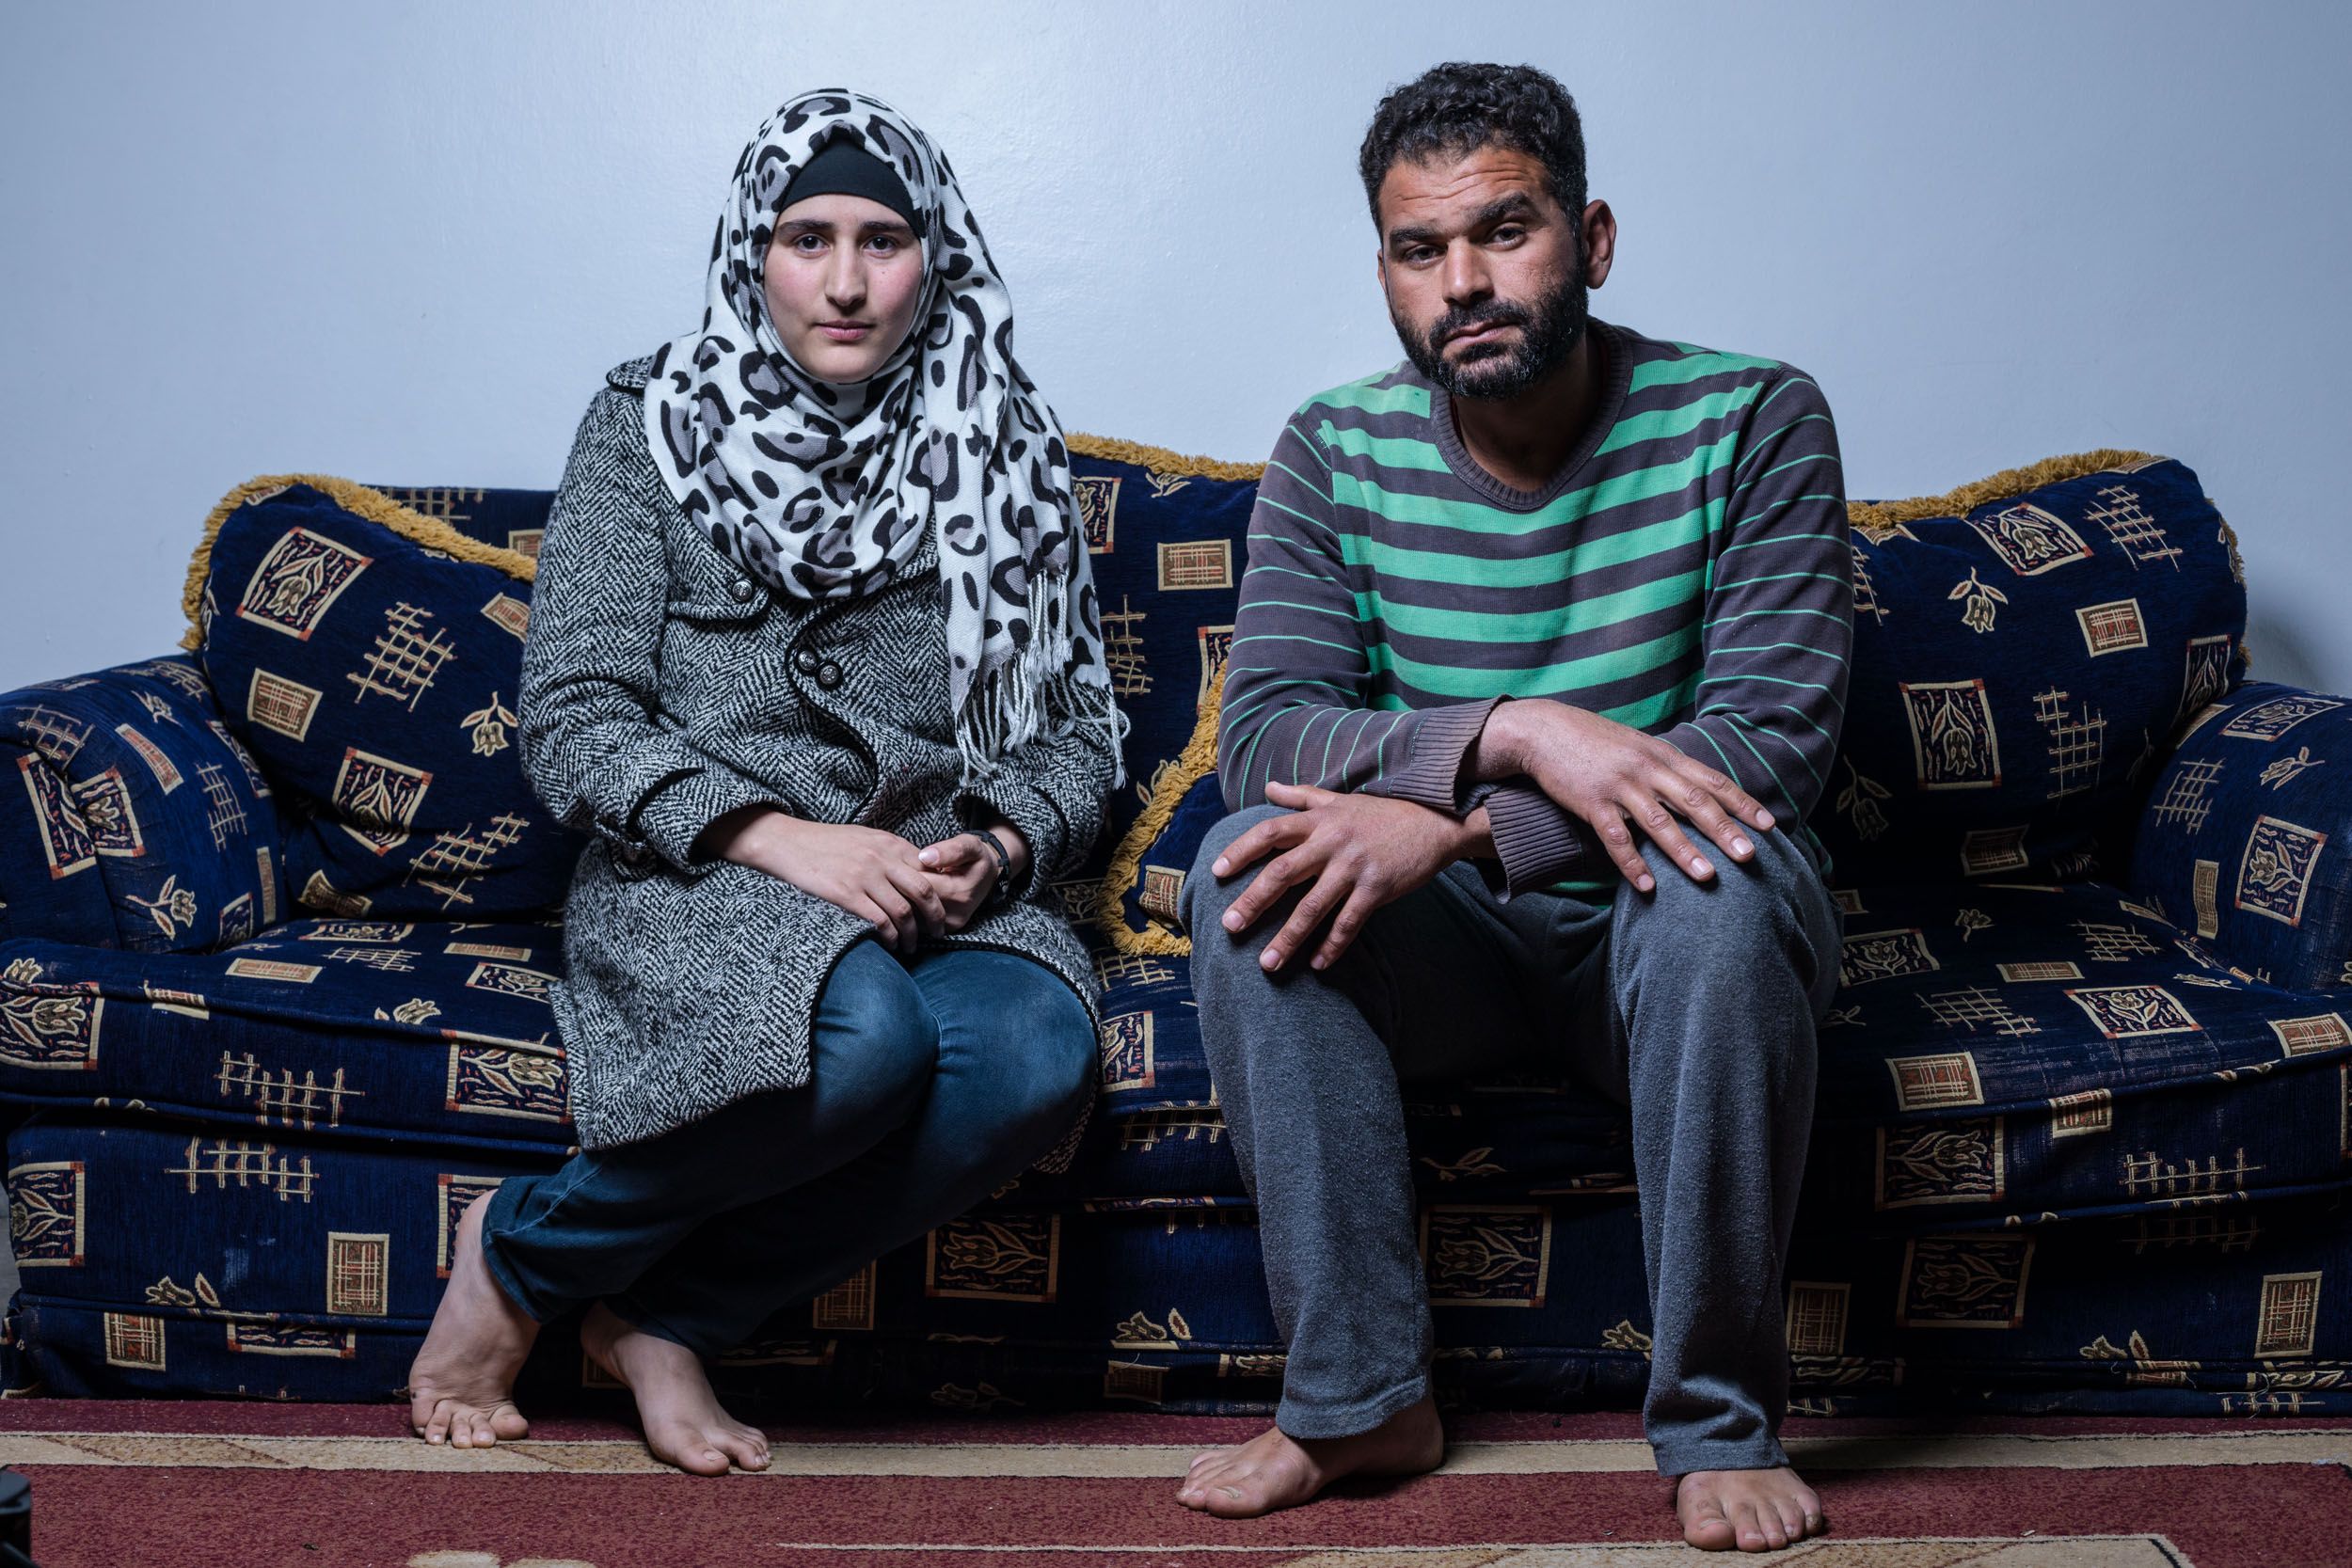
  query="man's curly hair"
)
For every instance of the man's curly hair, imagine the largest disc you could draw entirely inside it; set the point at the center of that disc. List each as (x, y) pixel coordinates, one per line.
(1457, 107)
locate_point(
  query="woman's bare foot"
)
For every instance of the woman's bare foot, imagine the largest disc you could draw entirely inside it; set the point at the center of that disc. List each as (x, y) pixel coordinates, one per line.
(684, 1424)
(1756, 1511)
(461, 1385)
(1276, 1470)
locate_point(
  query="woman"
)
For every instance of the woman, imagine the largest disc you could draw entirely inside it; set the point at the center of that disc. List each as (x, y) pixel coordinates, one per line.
(815, 657)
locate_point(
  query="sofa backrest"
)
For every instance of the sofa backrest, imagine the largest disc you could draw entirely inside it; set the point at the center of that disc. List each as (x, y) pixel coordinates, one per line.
(2025, 650)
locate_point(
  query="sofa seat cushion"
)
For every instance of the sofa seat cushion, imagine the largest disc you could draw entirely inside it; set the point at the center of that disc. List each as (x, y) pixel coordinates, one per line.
(2010, 1049)
(424, 1031)
(310, 1271)
(1995, 1049)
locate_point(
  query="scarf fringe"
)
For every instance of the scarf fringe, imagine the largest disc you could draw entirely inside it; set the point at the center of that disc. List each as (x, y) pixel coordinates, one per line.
(1033, 694)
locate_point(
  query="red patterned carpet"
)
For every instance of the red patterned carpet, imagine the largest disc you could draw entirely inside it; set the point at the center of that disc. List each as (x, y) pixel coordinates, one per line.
(251, 1486)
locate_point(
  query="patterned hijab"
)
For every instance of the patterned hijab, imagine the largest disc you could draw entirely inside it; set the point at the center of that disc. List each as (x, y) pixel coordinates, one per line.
(822, 490)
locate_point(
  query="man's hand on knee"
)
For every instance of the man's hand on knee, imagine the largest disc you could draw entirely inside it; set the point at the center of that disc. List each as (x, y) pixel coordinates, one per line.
(1351, 853)
(1620, 780)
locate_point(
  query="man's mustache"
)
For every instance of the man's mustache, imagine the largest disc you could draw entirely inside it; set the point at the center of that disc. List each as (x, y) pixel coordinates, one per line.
(1460, 319)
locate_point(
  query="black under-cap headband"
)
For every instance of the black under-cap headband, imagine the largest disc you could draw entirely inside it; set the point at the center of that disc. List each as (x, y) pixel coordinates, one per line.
(842, 167)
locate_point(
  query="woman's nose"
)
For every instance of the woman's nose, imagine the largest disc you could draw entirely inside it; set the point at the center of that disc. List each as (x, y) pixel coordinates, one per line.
(845, 282)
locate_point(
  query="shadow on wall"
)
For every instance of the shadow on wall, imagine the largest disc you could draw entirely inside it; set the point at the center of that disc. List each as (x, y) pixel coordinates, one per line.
(2278, 653)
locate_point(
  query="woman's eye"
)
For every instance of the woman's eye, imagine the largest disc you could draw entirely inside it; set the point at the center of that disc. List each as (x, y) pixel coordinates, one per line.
(809, 245)
(883, 244)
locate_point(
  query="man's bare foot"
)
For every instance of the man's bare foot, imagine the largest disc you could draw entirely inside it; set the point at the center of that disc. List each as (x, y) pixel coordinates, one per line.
(461, 1385)
(1756, 1511)
(684, 1424)
(1276, 1470)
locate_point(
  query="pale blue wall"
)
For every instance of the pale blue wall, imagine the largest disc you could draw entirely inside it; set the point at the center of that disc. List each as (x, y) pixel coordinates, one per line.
(400, 242)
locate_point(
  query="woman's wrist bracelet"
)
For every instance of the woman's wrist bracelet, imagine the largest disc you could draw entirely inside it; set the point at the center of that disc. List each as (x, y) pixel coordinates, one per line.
(1004, 862)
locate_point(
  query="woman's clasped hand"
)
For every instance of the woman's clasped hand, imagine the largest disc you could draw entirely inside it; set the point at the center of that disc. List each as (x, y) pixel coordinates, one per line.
(906, 893)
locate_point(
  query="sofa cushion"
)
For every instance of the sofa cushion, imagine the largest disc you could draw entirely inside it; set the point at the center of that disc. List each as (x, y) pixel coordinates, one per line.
(2023, 649)
(1994, 1049)
(2246, 835)
(141, 1277)
(371, 658)
(132, 816)
(413, 1031)
(2010, 1049)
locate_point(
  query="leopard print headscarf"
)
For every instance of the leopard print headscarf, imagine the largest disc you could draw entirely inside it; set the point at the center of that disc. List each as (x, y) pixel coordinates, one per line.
(822, 490)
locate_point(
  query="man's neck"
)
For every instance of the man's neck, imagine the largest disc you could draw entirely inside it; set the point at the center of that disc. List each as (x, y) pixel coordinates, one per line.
(1522, 441)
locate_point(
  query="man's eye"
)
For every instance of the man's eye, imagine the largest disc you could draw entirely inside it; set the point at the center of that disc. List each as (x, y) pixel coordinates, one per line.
(1509, 234)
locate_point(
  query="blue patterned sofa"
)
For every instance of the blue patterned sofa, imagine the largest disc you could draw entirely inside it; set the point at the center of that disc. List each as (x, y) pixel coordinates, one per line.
(275, 942)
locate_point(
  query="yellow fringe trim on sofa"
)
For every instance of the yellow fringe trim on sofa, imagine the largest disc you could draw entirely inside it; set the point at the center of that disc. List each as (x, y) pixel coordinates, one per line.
(1108, 448)
(361, 501)
(1193, 763)
(1872, 516)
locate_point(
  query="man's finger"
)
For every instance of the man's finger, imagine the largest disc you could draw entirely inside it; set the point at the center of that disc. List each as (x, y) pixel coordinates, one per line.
(1324, 896)
(1616, 838)
(1276, 877)
(1705, 811)
(1266, 836)
(1658, 822)
(1297, 796)
(1725, 788)
(1347, 924)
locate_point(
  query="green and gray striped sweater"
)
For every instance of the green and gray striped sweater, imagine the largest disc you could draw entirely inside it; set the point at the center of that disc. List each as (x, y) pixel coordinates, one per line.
(1687, 573)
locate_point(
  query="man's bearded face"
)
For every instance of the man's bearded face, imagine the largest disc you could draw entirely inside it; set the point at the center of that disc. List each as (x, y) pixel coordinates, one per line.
(1500, 364)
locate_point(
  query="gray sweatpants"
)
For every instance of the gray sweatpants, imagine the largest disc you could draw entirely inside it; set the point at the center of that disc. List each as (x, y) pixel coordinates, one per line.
(1694, 1007)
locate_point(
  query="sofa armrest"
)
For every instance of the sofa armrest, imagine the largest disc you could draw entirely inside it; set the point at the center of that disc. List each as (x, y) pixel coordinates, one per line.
(2245, 837)
(131, 818)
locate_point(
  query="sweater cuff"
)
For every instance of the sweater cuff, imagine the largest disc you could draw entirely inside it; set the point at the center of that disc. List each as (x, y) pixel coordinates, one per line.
(674, 814)
(1538, 841)
(1436, 739)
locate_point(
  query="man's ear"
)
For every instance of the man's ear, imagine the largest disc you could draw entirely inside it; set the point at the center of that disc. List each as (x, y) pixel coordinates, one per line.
(1600, 242)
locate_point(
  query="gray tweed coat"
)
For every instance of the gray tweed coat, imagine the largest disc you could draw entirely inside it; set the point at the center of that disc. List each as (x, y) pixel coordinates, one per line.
(661, 689)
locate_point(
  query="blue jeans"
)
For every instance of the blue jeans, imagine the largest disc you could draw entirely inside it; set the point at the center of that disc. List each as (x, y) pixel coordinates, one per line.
(934, 1080)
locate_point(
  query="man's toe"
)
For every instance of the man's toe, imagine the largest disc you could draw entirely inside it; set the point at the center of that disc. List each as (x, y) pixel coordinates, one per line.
(1704, 1523)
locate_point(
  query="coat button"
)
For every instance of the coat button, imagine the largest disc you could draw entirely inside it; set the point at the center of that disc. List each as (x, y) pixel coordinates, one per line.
(741, 590)
(829, 675)
(805, 662)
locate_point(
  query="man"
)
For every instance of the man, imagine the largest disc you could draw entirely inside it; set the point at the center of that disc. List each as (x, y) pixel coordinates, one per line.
(1539, 665)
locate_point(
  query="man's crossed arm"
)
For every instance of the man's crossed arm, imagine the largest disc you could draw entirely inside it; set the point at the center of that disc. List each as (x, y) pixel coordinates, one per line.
(1353, 852)
(1382, 799)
